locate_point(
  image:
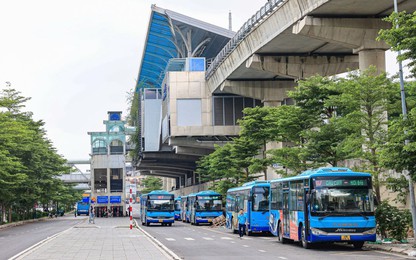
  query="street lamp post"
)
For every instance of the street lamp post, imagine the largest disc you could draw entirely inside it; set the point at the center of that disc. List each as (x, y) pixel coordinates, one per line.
(404, 112)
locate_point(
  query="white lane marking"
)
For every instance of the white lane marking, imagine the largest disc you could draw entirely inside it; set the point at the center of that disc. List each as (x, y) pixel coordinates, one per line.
(170, 239)
(266, 238)
(208, 238)
(282, 257)
(245, 245)
(189, 238)
(233, 242)
(263, 251)
(226, 238)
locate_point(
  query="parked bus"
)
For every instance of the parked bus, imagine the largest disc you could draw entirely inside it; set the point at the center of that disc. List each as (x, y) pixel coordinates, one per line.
(178, 208)
(206, 206)
(83, 207)
(253, 198)
(323, 205)
(184, 200)
(157, 207)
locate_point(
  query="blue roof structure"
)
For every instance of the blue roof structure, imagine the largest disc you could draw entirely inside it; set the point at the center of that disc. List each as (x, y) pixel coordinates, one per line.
(167, 38)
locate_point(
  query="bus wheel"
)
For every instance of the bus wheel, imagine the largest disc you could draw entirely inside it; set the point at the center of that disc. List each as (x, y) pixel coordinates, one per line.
(170, 224)
(280, 238)
(358, 244)
(305, 243)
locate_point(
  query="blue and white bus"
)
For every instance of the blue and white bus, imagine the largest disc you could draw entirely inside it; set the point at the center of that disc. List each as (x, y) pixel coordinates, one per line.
(330, 204)
(253, 198)
(178, 208)
(157, 207)
(205, 206)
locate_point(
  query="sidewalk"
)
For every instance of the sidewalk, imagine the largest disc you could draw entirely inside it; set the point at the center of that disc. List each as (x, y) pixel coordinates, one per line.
(108, 238)
(399, 248)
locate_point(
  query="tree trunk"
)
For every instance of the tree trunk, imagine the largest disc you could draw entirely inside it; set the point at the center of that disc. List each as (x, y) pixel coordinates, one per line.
(264, 157)
(10, 214)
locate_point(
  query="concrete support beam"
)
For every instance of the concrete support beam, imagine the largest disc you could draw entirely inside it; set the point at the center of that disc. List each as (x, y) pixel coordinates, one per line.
(262, 90)
(350, 32)
(300, 67)
(192, 151)
(357, 33)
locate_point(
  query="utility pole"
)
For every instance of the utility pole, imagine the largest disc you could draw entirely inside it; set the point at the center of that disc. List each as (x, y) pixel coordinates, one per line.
(404, 112)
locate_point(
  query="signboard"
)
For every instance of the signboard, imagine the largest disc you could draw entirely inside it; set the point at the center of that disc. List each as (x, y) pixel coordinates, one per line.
(216, 197)
(102, 199)
(86, 199)
(161, 197)
(341, 182)
(115, 199)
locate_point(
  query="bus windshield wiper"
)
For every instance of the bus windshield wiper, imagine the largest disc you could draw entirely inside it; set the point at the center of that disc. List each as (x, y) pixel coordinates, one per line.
(361, 213)
(328, 215)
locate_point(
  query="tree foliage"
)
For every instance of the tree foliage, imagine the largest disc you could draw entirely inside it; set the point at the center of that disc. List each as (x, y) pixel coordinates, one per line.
(402, 37)
(152, 183)
(29, 164)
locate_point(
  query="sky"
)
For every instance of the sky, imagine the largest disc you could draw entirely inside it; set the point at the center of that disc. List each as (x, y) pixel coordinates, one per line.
(78, 59)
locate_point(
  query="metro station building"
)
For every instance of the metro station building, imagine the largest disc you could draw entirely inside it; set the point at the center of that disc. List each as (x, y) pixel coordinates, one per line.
(196, 78)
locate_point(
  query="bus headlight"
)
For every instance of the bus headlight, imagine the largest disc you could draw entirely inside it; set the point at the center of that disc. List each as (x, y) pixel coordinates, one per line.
(318, 232)
(370, 231)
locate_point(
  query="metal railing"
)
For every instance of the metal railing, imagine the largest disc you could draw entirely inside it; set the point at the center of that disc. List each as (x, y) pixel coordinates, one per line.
(247, 27)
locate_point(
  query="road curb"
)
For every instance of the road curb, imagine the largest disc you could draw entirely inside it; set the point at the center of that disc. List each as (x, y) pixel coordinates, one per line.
(35, 246)
(159, 244)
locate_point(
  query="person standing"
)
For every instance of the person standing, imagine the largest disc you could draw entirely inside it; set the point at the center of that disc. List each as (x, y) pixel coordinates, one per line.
(92, 215)
(242, 221)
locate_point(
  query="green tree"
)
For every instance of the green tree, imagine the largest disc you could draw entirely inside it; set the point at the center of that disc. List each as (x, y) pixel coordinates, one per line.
(396, 154)
(32, 163)
(292, 121)
(152, 183)
(259, 126)
(402, 37)
(326, 127)
(367, 98)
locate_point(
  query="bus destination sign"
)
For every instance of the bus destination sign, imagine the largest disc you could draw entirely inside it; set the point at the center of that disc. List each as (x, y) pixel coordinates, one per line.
(341, 182)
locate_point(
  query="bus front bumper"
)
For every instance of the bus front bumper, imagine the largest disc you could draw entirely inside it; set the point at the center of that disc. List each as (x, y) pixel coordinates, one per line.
(319, 236)
(160, 220)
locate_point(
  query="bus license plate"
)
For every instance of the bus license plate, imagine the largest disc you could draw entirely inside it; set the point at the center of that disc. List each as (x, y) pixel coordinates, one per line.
(160, 220)
(209, 220)
(345, 238)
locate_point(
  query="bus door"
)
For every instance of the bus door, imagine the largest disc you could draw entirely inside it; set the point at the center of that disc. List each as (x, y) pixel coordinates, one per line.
(286, 219)
(238, 203)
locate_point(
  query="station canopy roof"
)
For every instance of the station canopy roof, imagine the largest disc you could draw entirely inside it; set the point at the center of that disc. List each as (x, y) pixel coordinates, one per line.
(169, 35)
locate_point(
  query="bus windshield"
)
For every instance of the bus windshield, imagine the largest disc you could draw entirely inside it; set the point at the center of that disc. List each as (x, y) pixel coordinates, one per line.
(261, 199)
(208, 204)
(177, 205)
(160, 205)
(342, 200)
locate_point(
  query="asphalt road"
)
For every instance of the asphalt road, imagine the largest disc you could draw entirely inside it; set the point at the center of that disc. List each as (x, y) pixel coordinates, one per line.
(14, 240)
(204, 242)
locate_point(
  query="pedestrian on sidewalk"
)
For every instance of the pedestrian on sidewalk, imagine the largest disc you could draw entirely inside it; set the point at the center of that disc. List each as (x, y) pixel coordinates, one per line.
(242, 222)
(92, 215)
